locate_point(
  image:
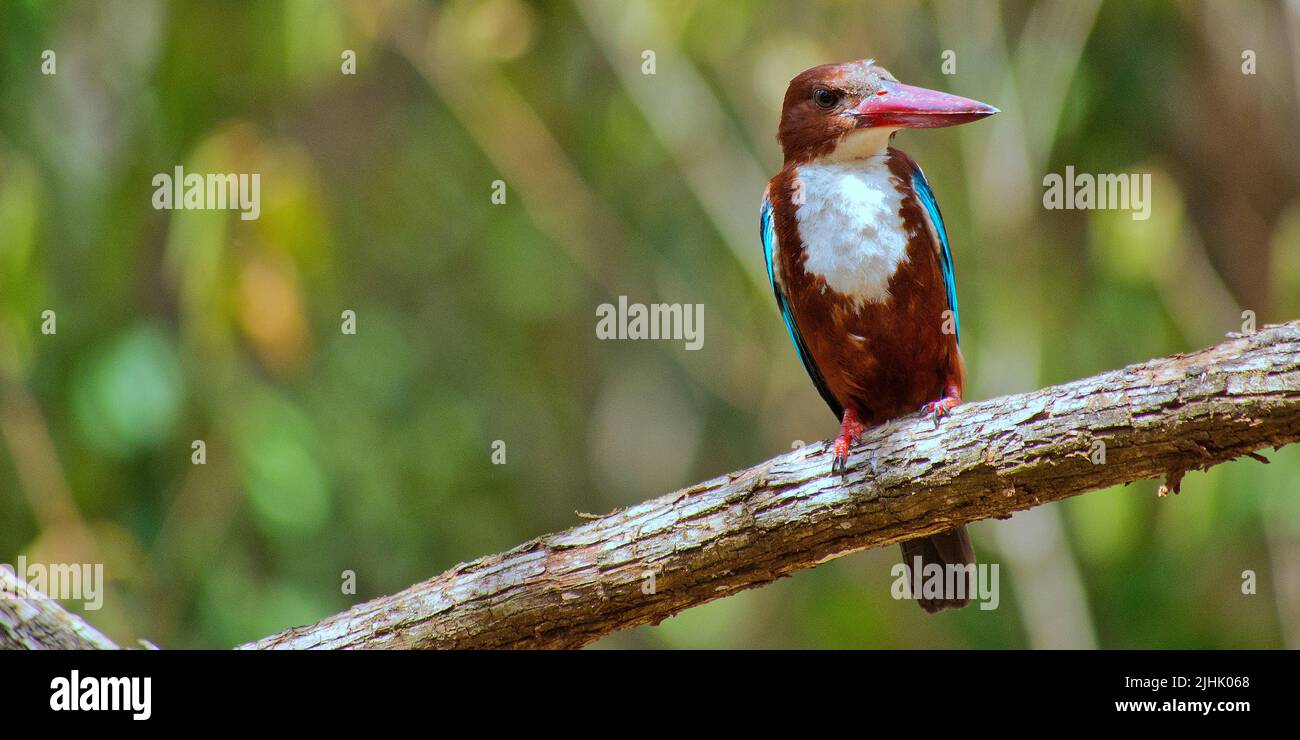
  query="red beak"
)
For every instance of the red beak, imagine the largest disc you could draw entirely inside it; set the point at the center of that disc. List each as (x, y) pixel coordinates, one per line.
(904, 106)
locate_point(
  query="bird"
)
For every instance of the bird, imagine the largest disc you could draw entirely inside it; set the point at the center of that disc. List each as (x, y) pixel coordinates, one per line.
(859, 261)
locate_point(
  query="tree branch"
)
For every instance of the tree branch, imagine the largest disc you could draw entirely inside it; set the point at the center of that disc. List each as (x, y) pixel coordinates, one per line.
(30, 620)
(1160, 418)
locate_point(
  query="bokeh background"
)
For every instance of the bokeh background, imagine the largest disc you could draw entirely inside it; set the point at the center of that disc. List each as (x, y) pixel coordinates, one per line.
(475, 322)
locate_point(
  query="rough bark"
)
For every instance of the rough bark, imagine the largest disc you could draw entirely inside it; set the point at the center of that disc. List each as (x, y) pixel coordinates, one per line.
(29, 620)
(1160, 418)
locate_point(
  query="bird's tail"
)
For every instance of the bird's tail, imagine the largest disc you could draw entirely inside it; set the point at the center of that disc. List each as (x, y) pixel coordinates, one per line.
(952, 548)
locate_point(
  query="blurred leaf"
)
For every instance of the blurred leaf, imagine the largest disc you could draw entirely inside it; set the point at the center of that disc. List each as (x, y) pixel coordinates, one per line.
(280, 466)
(127, 396)
(1285, 270)
(1106, 523)
(1134, 250)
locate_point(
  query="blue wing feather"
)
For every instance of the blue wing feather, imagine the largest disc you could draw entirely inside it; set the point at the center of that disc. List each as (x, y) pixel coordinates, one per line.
(767, 232)
(926, 196)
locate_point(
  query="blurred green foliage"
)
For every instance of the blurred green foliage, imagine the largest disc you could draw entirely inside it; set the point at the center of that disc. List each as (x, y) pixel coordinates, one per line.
(329, 452)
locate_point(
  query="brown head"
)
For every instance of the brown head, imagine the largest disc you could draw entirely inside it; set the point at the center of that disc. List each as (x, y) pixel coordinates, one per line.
(850, 110)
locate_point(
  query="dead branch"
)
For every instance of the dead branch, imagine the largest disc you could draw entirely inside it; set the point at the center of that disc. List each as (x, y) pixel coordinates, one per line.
(1157, 419)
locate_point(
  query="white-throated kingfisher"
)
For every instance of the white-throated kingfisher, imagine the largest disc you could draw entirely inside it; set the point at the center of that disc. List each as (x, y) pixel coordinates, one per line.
(859, 261)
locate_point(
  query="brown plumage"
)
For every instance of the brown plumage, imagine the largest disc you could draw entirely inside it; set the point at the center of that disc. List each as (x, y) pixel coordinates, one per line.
(875, 354)
(884, 360)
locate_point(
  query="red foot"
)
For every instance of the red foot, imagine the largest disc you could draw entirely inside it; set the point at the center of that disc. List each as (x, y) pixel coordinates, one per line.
(850, 433)
(942, 407)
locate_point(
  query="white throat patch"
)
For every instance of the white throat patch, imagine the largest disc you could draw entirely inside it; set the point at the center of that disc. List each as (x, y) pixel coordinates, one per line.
(852, 231)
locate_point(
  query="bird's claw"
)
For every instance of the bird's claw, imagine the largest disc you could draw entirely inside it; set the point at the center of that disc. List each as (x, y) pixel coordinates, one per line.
(850, 434)
(940, 408)
(840, 464)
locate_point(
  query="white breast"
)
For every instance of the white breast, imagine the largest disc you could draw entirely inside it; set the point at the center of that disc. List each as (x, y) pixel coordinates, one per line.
(852, 231)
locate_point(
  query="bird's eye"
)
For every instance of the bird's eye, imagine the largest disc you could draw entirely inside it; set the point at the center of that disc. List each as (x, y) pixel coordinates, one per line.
(825, 98)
